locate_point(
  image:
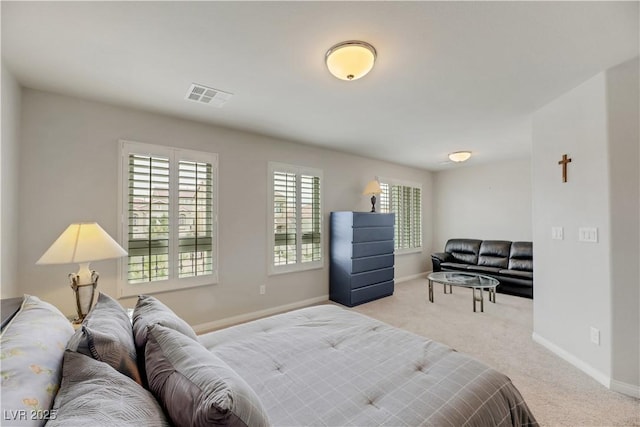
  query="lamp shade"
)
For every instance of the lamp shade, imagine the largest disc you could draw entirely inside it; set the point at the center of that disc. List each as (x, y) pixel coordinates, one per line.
(350, 60)
(460, 156)
(81, 243)
(373, 187)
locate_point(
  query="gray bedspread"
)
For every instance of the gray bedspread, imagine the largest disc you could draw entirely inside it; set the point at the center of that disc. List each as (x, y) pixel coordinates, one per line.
(328, 366)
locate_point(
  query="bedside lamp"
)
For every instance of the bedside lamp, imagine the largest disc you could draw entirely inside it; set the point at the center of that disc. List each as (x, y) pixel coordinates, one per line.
(82, 243)
(373, 188)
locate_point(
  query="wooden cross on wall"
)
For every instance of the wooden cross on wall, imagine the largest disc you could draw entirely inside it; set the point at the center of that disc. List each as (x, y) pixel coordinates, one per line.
(564, 162)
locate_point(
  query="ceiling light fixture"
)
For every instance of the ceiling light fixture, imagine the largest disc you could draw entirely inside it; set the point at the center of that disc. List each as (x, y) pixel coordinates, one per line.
(350, 60)
(460, 156)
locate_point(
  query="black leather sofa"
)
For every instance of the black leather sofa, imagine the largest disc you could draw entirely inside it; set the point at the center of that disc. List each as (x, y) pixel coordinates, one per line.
(509, 262)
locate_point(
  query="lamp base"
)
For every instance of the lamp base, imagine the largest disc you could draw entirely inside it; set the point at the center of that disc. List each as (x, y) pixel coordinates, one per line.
(85, 293)
(373, 203)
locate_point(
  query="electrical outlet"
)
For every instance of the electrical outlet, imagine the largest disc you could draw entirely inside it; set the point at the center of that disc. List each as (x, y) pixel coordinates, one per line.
(263, 289)
(595, 336)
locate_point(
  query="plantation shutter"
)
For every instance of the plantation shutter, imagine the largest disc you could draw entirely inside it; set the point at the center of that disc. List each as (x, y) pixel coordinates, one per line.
(285, 216)
(169, 219)
(296, 218)
(416, 218)
(195, 230)
(384, 198)
(310, 218)
(406, 203)
(148, 219)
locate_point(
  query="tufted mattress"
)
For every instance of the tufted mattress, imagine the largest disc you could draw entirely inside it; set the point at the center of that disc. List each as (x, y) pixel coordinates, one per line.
(327, 366)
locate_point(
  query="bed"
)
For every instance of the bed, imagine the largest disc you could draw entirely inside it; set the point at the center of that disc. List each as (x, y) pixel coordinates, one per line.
(326, 365)
(317, 366)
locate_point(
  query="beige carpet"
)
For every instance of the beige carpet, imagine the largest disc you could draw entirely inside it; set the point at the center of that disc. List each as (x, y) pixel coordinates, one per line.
(557, 393)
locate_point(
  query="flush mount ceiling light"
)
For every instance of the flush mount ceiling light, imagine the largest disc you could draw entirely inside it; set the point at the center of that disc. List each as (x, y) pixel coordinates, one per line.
(350, 60)
(460, 156)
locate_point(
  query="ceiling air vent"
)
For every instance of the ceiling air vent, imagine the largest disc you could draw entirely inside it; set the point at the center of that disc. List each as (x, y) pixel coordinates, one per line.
(208, 95)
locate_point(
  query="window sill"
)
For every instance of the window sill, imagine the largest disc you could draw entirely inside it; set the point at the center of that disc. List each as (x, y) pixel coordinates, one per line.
(276, 271)
(407, 251)
(148, 288)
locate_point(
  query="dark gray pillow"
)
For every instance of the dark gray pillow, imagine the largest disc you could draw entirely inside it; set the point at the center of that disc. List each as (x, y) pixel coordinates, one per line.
(94, 394)
(195, 387)
(149, 311)
(107, 335)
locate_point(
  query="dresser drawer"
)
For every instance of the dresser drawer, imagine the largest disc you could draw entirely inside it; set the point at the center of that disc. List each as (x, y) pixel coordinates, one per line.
(359, 280)
(372, 248)
(371, 292)
(358, 265)
(368, 219)
(372, 234)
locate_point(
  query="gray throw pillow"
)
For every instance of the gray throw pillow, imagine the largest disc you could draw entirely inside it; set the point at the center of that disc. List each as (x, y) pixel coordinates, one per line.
(94, 394)
(196, 387)
(149, 311)
(107, 335)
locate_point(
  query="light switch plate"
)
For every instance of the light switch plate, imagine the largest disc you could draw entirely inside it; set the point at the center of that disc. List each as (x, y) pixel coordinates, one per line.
(588, 234)
(557, 233)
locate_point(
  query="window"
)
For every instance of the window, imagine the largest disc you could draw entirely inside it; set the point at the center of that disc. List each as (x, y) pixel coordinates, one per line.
(295, 236)
(168, 213)
(405, 200)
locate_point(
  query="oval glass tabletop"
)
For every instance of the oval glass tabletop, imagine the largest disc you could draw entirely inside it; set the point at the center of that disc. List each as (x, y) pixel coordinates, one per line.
(471, 280)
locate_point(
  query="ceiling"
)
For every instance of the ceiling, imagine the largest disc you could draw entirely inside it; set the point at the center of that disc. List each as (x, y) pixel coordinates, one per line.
(449, 75)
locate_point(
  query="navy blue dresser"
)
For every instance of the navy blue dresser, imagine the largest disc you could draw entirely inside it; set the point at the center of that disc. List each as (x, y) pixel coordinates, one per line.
(361, 253)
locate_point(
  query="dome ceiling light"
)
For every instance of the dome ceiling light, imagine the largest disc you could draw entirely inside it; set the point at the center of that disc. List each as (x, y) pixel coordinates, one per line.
(350, 60)
(460, 156)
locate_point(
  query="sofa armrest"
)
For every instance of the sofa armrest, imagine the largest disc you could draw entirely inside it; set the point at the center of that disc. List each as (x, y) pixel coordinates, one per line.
(439, 257)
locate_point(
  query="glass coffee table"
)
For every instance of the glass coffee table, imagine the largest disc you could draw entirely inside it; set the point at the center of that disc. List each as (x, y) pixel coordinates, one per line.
(477, 282)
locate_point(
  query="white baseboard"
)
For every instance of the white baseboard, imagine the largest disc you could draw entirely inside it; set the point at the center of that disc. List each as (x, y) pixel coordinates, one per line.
(578, 363)
(614, 385)
(624, 388)
(234, 320)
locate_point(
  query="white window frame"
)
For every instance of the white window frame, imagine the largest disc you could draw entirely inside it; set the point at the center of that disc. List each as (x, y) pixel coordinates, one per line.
(126, 289)
(391, 182)
(298, 266)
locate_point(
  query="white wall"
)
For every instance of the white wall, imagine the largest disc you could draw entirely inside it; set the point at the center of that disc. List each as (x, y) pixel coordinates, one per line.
(490, 201)
(624, 188)
(576, 285)
(11, 100)
(68, 171)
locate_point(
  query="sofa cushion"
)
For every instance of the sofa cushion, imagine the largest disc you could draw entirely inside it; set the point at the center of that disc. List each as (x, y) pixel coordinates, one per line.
(521, 256)
(454, 266)
(520, 274)
(483, 269)
(464, 251)
(107, 336)
(196, 387)
(494, 253)
(94, 394)
(31, 348)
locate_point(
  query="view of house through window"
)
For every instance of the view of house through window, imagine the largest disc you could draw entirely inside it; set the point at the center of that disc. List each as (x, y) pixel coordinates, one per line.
(169, 213)
(296, 214)
(406, 202)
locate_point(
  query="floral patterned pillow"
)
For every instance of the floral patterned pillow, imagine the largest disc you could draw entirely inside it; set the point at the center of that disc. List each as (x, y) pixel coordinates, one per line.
(31, 350)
